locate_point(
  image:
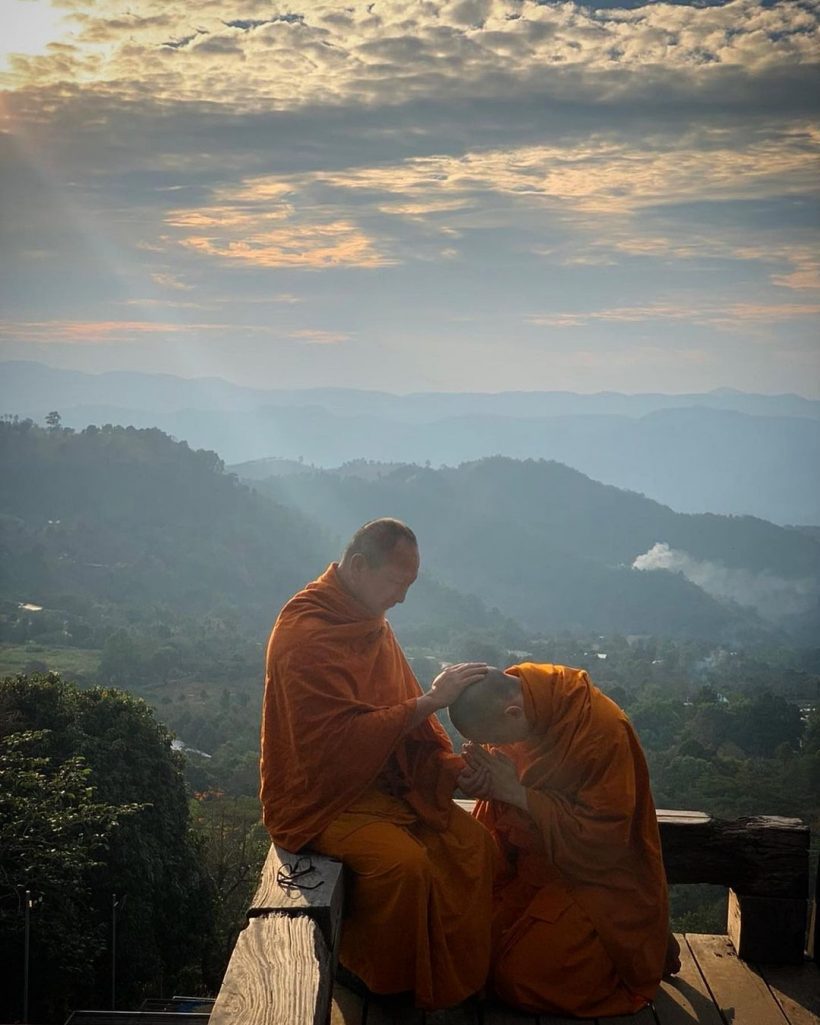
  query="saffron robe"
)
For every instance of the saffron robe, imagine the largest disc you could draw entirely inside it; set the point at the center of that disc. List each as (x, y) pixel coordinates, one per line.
(580, 907)
(343, 773)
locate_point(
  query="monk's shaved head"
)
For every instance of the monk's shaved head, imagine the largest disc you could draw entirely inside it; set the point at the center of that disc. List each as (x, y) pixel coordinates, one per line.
(377, 541)
(480, 711)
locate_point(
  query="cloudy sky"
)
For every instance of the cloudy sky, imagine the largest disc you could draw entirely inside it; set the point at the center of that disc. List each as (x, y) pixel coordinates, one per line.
(414, 194)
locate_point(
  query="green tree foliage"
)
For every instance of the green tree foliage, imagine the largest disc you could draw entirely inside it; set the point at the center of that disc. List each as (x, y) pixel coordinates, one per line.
(53, 834)
(113, 797)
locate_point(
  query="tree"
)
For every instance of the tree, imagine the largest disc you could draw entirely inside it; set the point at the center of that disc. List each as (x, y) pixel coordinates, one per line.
(53, 833)
(53, 420)
(123, 828)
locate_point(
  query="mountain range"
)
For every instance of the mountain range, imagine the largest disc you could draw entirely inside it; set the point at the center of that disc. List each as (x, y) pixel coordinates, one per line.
(723, 452)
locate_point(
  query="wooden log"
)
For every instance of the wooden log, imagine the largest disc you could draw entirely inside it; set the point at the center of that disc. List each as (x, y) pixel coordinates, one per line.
(317, 891)
(282, 967)
(279, 974)
(767, 929)
(764, 856)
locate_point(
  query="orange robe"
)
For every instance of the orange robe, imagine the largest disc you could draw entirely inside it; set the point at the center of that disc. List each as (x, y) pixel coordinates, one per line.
(581, 914)
(343, 773)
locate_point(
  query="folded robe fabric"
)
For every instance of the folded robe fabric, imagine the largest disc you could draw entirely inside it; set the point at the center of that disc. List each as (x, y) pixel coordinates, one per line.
(591, 830)
(339, 695)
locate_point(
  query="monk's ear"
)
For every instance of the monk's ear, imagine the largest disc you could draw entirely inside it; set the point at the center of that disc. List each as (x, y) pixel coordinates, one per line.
(358, 561)
(514, 711)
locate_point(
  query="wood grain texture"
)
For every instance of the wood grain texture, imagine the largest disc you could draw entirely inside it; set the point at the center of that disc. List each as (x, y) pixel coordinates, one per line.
(322, 896)
(279, 974)
(685, 999)
(741, 995)
(797, 989)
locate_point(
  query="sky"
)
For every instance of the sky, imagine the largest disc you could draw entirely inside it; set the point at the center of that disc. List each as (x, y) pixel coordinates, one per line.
(414, 195)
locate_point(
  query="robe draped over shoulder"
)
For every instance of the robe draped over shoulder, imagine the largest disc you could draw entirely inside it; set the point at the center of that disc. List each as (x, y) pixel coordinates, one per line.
(339, 696)
(590, 839)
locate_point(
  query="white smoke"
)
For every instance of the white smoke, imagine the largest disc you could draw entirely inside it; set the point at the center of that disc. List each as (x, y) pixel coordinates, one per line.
(772, 596)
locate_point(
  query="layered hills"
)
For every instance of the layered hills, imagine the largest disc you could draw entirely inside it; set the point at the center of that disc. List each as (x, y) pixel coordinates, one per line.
(130, 519)
(722, 452)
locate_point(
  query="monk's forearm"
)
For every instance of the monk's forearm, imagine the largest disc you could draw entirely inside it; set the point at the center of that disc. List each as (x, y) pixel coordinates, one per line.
(426, 705)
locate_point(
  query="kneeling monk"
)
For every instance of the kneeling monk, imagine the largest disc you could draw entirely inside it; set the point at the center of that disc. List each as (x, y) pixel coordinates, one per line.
(581, 915)
(355, 766)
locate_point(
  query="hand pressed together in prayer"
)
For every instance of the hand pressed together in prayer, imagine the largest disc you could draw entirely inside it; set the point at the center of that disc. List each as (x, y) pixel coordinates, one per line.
(491, 775)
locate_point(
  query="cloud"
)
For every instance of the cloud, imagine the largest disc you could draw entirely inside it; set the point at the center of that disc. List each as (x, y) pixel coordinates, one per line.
(397, 50)
(308, 246)
(103, 332)
(312, 337)
(732, 316)
(774, 597)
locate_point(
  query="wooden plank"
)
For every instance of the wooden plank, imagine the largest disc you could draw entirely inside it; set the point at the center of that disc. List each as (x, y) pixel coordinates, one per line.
(769, 929)
(316, 888)
(347, 1007)
(740, 993)
(797, 989)
(685, 999)
(279, 974)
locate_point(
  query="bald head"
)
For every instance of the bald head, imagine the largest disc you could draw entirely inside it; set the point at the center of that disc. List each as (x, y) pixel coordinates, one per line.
(491, 711)
(376, 541)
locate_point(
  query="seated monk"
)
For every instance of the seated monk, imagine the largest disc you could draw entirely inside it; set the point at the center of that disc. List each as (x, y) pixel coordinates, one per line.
(356, 766)
(580, 923)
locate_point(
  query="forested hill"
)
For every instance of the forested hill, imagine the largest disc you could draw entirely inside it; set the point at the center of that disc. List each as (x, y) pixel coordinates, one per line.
(555, 550)
(108, 526)
(130, 520)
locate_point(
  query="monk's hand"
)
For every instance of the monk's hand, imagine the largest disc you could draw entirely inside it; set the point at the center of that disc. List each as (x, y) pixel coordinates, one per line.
(504, 783)
(445, 689)
(475, 782)
(449, 684)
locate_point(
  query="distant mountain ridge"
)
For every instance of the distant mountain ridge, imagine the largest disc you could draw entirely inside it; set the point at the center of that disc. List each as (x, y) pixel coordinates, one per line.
(723, 452)
(548, 545)
(28, 388)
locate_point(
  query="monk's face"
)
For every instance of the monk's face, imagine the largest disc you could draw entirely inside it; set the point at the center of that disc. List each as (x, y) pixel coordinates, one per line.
(382, 587)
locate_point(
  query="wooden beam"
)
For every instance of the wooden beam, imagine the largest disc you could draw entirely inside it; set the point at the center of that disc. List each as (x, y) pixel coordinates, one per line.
(282, 967)
(767, 929)
(279, 974)
(317, 892)
(764, 856)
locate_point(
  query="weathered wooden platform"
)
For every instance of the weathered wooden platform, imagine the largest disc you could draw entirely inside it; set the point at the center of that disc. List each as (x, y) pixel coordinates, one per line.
(283, 967)
(714, 987)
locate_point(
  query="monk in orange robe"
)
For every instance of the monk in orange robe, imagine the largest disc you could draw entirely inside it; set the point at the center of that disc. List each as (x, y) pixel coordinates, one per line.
(580, 921)
(355, 765)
